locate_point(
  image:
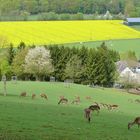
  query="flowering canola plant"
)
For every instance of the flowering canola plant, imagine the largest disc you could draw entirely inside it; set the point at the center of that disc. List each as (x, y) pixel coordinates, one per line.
(60, 32)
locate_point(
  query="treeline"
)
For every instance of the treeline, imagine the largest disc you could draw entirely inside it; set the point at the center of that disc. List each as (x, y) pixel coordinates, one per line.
(21, 9)
(83, 65)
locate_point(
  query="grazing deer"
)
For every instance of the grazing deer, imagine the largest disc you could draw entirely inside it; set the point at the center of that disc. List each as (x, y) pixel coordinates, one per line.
(88, 97)
(103, 105)
(63, 101)
(94, 107)
(136, 121)
(137, 101)
(33, 96)
(108, 106)
(44, 96)
(61, 97)
(113, 107)
(87, 114)
(23, 94)
(130, 100)
(77, 100)
(96, 103)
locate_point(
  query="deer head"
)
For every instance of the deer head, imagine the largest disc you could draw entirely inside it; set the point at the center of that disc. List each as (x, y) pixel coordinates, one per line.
(130, 125)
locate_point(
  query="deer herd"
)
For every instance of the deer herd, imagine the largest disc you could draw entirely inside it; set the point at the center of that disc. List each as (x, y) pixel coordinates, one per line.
(94, 107)
(24, 94)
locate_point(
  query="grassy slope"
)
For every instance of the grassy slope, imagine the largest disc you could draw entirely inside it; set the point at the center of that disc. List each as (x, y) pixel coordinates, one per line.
(45, 120)
(119, 45)
(136, 27)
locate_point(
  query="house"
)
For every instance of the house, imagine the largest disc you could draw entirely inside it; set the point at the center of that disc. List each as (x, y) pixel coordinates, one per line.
(128, 73)
(131, 74)
(132, 21)
(121, 65)
(136, 69)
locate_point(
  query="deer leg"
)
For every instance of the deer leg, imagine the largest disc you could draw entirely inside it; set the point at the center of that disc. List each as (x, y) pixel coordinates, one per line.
(89, 119)
(97, 112)
(85, 115)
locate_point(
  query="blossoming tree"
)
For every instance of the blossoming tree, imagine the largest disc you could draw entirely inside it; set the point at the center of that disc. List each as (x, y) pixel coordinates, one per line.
(38, 62)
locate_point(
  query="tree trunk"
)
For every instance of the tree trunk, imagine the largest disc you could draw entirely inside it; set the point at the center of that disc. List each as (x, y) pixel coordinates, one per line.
(43, 78)
(37, 78)
(5, 90)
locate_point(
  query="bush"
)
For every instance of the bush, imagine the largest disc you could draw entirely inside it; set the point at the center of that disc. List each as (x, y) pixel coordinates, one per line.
(65, 17)
(24, 15)
(48, 16)
(78, 16)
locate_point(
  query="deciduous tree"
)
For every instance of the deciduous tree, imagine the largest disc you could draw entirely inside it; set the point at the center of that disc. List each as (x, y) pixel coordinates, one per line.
(38, 62)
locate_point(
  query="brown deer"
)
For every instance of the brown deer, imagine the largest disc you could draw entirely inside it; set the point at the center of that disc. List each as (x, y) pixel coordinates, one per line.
(137, 100)
(44, 96)
(113, 107)
(94, 107)
(61, 97)
(136, 121)
(76, 101)
(88, 97)
(63, 101)
(130, 100)
(87, 114)
(23, 94)
(33, 96)
(96, 103)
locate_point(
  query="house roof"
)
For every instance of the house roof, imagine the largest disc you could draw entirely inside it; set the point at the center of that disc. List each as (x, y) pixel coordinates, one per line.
(121, 65)
(133, 20)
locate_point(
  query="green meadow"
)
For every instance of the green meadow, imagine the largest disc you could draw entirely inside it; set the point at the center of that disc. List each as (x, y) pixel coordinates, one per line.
(136, 27)
(118, 45)
(22, 118)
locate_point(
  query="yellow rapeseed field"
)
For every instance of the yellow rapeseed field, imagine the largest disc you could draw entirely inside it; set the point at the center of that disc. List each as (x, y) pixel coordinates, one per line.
(60, 32)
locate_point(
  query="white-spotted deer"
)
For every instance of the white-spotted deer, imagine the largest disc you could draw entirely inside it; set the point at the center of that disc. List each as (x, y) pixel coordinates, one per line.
(110, 107)
(114, 106)
(88, 98)
(130, 100)
(103, 105)
(63, 100)
(136, 121)
(76, 101)
(44, 96)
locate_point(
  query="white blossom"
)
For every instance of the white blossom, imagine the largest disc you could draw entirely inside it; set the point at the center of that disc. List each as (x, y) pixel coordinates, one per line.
(38, 61)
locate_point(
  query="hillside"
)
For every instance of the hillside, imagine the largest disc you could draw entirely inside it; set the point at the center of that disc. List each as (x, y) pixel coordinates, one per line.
(38, 119)
(60, 32)
(121, 45)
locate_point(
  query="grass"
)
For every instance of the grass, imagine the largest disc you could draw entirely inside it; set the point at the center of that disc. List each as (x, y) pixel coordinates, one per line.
(27, 119)
(60, 32)
(136, 27)
(118, 45)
